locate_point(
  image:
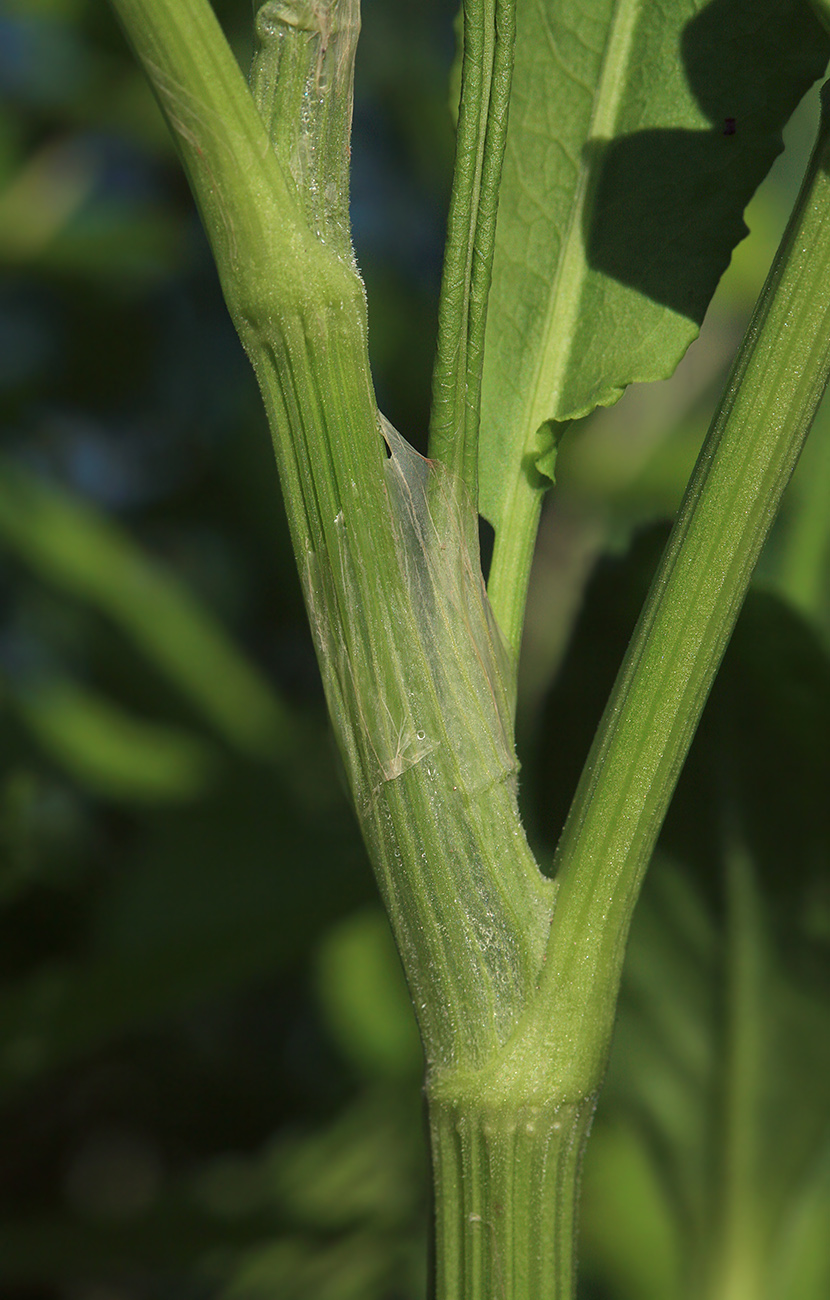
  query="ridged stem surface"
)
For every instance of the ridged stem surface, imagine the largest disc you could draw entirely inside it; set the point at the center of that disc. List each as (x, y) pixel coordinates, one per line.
(506, 1178)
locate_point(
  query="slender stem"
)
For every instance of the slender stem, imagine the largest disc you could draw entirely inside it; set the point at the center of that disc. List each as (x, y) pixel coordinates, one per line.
(489, 33)
(776, 384)
(247, 207)
(513, 552)
(302, 80)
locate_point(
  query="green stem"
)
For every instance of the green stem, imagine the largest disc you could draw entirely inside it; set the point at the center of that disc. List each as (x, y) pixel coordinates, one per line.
(249, 211)
(771, 398)
(386, 542)
(556, 1057)
(506, 1178)
(489, 34)
(411, 661)
(302, 81)
(513, 552)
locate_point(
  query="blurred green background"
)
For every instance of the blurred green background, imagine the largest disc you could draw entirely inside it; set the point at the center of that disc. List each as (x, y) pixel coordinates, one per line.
(209, 1072)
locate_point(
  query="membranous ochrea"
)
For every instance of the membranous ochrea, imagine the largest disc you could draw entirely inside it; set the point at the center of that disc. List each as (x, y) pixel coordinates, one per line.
(419, 688)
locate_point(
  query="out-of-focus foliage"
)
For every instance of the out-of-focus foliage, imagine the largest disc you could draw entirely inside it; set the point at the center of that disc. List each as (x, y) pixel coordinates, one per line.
(708, 1172)
(209, 1074)
(196, 1096)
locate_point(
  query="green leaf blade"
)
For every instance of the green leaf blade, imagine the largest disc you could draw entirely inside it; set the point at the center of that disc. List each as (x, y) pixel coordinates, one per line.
(638, 133)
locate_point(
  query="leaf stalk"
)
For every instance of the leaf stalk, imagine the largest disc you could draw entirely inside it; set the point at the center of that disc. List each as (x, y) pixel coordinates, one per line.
(489, 30)
(776, 384)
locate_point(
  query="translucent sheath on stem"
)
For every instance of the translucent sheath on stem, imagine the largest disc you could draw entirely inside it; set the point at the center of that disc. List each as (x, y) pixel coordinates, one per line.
(386, 543)
(418, 686)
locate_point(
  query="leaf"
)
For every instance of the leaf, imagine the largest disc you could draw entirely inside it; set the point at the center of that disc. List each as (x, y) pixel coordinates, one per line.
(713, 1124)
(799, 565)
(354, 1189)
(110, 751)
(720, 1081)
(78, 549)
(363, 994)
(638, 133)
(216, 894)
(355, 1268)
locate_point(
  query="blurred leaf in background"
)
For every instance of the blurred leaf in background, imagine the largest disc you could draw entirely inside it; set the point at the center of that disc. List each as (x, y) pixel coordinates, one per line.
(196, 1098)
(708, 1172)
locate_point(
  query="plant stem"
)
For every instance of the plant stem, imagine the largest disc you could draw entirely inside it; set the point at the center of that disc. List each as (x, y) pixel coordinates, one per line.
(772, 395)
(555, 1060)
(506, 1180)
(411, 662)
(513, 552)
(489, 34)
(248, 209)
(386, 542)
